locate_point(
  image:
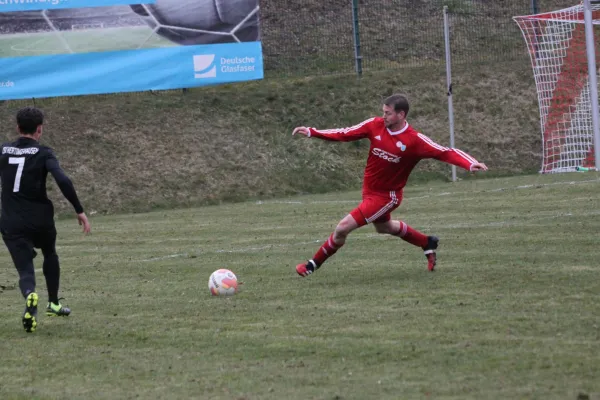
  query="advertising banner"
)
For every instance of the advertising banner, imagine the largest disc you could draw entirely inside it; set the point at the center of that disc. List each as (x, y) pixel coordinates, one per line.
(108, 46)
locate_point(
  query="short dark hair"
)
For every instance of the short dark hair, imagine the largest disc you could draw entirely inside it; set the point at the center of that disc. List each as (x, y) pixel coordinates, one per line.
(28, 119)
(398, 102)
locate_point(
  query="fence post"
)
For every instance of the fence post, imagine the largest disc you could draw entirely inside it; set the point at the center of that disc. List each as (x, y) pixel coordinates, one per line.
(534, 7)
(357, 56)
(449, 83)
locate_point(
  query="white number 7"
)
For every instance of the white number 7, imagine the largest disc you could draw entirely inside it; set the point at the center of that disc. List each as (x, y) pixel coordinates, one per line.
(20, 162)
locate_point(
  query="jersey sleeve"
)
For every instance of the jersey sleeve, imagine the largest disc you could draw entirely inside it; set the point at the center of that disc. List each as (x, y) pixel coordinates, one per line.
(430, 149)
(356, 132)
(63, 181)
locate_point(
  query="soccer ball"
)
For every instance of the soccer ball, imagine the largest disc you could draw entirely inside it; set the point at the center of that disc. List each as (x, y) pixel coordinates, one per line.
(222, 282)
(192, 22)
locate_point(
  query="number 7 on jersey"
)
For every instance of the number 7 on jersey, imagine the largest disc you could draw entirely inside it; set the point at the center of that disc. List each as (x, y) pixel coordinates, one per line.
(20, 162)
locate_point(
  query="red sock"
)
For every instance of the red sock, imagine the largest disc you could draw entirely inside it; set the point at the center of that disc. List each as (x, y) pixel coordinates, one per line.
(411, 235)
(327, 250)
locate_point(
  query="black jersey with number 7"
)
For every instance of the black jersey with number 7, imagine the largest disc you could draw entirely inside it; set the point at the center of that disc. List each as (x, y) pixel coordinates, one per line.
(24, 167)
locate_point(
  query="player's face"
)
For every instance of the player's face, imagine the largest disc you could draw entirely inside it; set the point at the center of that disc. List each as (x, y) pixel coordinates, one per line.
(391, 117)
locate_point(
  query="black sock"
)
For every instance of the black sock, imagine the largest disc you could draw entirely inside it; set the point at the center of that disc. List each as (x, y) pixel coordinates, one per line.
(26, 279)
(52, 274)
(311, 265)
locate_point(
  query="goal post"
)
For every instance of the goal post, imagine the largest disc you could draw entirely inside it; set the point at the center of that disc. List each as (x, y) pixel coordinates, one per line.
(563, 55)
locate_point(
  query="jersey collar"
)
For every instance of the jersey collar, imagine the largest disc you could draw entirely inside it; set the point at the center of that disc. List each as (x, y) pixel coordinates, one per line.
(25, 139)
(398, 132)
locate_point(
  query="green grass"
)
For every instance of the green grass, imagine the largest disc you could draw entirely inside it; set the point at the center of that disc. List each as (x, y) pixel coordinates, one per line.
(511, 313)
(80, 41)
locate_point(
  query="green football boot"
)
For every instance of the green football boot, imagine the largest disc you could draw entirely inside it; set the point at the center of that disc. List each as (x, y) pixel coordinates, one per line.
(57, 310)
(30, 313)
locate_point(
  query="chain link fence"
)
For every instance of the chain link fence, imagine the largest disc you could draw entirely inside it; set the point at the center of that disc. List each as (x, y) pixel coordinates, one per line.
(324, 37)
(316, 38)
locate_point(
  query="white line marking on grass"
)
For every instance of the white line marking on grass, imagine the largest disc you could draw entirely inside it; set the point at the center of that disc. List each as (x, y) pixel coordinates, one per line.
(260, 202)
(500, 224)
(533, 186)
(166, 257)
(516, 222)
(238, 250)
(539, 185)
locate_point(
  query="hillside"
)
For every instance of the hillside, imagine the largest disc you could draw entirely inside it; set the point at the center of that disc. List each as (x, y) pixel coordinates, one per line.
(135, 152)
(138, 152)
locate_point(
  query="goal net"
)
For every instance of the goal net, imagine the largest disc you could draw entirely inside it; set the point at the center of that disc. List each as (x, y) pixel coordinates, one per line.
(557, 48)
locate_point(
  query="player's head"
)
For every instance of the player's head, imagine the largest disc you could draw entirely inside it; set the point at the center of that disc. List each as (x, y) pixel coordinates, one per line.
(395, 110)
(30, 121)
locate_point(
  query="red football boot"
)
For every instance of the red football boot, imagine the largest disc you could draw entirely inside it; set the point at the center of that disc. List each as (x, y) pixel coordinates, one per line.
(307, 268)
(432, 244)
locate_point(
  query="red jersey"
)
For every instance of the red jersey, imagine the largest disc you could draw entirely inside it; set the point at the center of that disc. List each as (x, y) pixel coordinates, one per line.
(393, 155)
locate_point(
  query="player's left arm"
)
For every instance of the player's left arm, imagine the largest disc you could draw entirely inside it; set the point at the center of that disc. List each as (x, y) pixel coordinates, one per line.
(67, 188)
(430, 149)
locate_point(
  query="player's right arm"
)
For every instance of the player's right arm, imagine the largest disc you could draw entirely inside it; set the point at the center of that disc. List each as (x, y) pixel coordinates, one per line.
(67, 188)
(349, 134)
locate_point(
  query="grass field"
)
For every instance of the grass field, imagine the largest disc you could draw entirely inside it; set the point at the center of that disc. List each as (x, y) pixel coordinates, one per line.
(511, 313)
(79, 41)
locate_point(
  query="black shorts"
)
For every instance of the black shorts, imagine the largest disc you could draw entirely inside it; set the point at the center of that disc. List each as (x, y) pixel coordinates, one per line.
(21, 244)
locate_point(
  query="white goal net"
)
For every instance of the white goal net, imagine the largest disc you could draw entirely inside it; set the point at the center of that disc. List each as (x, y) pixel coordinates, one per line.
(556, 42)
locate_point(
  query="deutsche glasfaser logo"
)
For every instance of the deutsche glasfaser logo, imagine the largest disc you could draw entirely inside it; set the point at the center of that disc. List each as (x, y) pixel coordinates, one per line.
(204, 66)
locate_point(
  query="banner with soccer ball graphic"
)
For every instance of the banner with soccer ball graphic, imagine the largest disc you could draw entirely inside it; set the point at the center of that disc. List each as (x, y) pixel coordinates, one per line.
(52, 48)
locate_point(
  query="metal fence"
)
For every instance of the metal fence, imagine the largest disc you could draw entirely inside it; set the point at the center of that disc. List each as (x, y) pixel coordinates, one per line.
(323, 37)
(341, 36)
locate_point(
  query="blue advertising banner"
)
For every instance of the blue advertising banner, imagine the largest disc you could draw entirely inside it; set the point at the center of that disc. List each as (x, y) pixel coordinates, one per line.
(129, 70)
(168, 44)
(28, 5)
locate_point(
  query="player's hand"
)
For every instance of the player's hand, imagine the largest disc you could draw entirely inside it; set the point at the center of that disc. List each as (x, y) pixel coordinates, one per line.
(83, 220)
(479, 167)
(301, 130)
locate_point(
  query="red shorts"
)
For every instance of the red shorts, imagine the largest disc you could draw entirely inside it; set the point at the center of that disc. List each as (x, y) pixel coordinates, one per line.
(376, 207)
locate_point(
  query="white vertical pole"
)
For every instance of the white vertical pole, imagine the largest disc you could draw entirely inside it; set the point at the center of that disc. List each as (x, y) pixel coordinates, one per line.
(449, 84)
(355, 28)
(592, 78)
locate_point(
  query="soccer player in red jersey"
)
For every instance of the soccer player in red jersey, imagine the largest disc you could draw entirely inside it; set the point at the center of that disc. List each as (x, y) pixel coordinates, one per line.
(396, 148)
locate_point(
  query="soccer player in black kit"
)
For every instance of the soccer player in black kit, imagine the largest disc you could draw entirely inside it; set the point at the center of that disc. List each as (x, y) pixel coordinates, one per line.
(27, 219)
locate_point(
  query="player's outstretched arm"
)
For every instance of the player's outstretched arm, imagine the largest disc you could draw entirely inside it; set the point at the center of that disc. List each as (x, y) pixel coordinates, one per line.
(301, 130)
(479, 167)
(430, 149)
(356, 132)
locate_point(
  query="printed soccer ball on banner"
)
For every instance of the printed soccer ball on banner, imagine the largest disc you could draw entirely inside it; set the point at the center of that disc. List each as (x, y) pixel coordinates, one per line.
(192, 22)
(223, 282)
